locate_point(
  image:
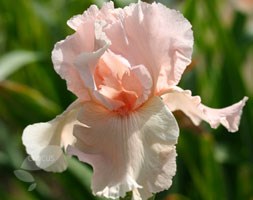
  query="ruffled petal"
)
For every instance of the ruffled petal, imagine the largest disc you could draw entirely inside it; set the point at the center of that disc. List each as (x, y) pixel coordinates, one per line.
(134, 152)
(75, 58)
(139, 82)
(76, 21)
(44, 141)
(106, 13)
(159, 38)
(65, 53)
(119, 86)
(86, 62)
(229, 117)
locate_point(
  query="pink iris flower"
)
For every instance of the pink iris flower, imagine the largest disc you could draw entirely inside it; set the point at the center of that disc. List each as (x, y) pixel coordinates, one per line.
(124, 66)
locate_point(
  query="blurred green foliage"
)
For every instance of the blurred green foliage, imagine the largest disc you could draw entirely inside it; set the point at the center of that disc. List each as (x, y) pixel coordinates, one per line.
(212, 164)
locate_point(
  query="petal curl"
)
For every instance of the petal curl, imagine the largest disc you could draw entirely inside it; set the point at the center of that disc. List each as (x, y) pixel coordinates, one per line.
(135, 152)
(155, 36)
(139, 81)
(75, 57)
(229, 117)
(119, 86)
(65, 53)
(44, 141)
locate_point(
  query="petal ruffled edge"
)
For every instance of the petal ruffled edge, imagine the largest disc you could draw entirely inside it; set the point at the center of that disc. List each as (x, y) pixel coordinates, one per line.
(75, 58)
(107, 13)
(65, 53)
(155, 36)
(229, 117)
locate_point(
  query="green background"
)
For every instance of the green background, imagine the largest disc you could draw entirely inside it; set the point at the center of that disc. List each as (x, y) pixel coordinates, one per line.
(211, 164)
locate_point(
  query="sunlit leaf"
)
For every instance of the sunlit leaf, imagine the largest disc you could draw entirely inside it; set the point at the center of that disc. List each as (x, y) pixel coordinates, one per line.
(12, 61)
(28, 99)
(82, 173)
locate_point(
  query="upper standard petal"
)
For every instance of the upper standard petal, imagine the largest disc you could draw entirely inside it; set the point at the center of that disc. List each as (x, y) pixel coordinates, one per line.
(159, 38)
(148, 35)
(107, 13)
(64, 56)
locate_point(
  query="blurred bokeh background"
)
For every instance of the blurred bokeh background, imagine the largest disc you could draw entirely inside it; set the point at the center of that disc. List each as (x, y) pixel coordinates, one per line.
(212, 164)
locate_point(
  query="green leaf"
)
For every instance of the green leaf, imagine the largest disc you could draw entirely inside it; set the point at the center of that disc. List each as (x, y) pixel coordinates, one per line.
(28, 100)
(32, 187)
(12, 61)
(23, 175)
(81, 171)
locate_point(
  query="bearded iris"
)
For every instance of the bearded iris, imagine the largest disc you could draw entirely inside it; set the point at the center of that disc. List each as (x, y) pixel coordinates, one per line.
(124, 66)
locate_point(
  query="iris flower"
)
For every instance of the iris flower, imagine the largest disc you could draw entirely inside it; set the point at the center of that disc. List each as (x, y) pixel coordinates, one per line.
(124, 66)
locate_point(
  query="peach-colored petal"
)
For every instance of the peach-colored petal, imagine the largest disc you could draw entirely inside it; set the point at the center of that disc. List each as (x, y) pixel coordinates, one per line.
(156, 37)
(78, 20)
(164, 49)
(106, 96)
(229, 117)
(139, 81)
(86, 62)
(119, 86)
(117, 64)
(106, 13)
(134, 152)
(43, 141)
(65, 53)
(75, 58)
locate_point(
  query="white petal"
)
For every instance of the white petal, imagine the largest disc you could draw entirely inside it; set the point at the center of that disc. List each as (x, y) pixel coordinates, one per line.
(44, 141)
(134, 152)
(229, 117)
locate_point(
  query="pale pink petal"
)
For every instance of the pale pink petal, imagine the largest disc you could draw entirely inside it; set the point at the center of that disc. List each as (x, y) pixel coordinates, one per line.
(44, 141)
(105, 97)
(117, 64)
(106, 13)
(118, 85)
(65, 53)
(159, 38)
(135, 152)
(76, 21)
(139, 81)
(76, 57)
(229, 117)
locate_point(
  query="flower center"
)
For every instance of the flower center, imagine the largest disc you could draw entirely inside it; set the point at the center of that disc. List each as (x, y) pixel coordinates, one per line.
(117, 83)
